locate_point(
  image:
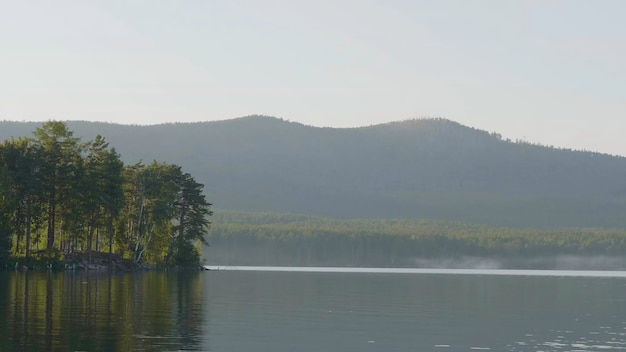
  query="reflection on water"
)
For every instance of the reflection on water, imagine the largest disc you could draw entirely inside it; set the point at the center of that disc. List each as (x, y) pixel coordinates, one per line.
(305, 311)
(86, 311)
(309, 311)
(606, 338)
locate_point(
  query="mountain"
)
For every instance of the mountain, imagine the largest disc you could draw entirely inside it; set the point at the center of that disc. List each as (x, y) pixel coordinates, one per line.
(427, 168)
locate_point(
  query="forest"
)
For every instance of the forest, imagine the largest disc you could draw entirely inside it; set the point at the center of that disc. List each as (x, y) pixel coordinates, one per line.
(60, 197)
(241, 238)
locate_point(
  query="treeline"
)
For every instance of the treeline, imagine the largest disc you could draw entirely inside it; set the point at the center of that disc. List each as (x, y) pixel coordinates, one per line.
(281, 239)
(59, 196)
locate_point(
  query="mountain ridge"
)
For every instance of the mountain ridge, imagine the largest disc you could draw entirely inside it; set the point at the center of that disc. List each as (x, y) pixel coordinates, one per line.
(420, 168)
(412, 122)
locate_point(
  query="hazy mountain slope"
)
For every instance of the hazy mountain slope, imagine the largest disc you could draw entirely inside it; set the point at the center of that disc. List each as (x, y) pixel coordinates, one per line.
(421, 168)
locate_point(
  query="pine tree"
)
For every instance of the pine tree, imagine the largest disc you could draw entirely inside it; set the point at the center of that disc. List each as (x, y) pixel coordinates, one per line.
(59, 150)
(5, 210)
(192, 212)
(21, 158)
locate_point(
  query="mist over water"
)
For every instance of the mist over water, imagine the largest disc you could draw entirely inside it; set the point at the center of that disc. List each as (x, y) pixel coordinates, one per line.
(458, 263)
(561, 262)
(269, 256)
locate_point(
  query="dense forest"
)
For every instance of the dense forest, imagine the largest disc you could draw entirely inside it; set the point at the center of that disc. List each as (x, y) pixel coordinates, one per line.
(427, 169)
(60, 196)
(240, 238)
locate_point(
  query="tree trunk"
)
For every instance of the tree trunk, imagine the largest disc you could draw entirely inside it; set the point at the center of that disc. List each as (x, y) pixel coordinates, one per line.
(110, 229)
(28, 216)
(90, 242)
(139, 236)
(97, 239)
(51, 222)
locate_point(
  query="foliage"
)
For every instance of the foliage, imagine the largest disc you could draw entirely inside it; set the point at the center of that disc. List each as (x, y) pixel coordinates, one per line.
(5, 221)
(185, 255)
(70, 196)
(5, 240)
(284, 239)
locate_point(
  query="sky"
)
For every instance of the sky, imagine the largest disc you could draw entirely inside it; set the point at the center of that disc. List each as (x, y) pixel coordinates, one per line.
(545, 71)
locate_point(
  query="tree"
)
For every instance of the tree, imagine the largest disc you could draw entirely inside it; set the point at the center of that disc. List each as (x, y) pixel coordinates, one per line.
(165, 211)
(113, 195)
(21, 158)
(104, 181)
(103, 188)
(75, 193)
(59, 153)
(151, 192)
(94, 175)
(192, 223)
(5, 220)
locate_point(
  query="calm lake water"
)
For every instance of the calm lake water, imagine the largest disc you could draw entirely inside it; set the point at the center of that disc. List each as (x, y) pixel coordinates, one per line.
(256, 310)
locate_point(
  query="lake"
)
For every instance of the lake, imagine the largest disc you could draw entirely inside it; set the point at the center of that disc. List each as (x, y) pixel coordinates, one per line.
(252, 309)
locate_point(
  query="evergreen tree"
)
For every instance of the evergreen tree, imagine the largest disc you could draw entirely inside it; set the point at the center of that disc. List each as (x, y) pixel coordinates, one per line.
(192, 224)
(99, 191)
(21, 158)
(113, 195)
(5, 220)
(59, 150)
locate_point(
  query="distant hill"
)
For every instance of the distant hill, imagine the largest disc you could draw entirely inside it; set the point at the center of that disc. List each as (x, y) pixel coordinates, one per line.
(429, 168)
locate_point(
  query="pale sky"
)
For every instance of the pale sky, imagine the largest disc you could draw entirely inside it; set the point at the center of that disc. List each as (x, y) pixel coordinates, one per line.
(546, 71)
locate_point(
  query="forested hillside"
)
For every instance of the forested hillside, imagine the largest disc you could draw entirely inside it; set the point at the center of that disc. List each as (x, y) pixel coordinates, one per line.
(429, 169)
(240, 238)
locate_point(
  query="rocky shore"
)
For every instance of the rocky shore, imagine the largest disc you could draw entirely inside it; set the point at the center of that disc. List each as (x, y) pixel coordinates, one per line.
(100, 261)
(83, 261)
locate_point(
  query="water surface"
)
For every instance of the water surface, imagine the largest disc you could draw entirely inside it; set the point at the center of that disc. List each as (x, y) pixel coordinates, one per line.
(254, 310)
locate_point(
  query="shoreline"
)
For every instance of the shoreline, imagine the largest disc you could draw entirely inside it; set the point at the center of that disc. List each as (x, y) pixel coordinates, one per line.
(85, 261)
